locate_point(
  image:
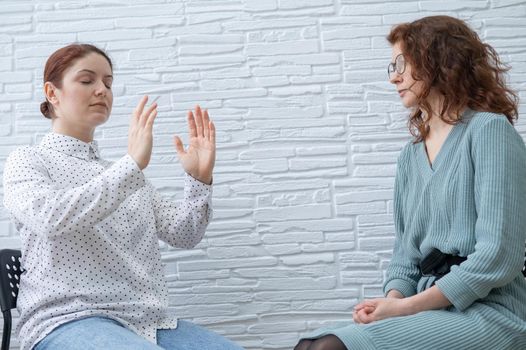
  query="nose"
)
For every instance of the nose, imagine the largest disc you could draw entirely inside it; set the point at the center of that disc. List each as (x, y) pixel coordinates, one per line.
(100, 89)
(395, 78)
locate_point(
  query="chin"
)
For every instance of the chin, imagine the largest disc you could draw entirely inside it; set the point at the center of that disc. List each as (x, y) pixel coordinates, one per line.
(409, 103)
(99, 119)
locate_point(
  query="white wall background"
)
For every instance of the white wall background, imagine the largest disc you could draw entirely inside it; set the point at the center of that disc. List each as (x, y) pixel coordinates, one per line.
(309, 131)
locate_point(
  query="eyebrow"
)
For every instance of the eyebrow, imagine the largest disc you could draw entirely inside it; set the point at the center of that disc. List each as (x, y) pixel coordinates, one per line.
(92, 72)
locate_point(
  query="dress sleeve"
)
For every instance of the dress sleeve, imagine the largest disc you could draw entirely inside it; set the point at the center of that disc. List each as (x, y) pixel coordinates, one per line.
(499, 160)
(183, 225)
(402, 274)
(34, 200)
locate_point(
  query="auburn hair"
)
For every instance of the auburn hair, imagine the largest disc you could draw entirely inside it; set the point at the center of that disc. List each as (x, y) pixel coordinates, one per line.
(449, 57)
(61, 60)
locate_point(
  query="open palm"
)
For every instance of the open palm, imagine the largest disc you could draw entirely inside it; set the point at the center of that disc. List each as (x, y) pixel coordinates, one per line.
(199, 158)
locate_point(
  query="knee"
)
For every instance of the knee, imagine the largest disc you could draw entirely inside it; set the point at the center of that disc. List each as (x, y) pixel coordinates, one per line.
(303, 344)
(328, 342)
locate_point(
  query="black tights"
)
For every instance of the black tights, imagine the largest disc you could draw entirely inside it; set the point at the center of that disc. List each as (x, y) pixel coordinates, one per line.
(328, 342)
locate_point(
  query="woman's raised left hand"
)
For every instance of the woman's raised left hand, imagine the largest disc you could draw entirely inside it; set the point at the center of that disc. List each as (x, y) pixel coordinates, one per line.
(199, 158)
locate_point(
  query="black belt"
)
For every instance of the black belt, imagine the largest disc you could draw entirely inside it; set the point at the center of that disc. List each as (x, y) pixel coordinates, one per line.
(439, 264)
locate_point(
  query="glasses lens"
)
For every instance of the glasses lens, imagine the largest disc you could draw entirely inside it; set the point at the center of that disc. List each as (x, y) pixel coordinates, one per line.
(400, 64)
(390, 69)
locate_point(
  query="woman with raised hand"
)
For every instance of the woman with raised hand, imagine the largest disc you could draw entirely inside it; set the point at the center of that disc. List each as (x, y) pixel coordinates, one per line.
(93, 277)
(454, 281)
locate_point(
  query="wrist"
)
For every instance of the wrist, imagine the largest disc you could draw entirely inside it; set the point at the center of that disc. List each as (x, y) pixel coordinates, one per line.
(139, 164)
(207, 180)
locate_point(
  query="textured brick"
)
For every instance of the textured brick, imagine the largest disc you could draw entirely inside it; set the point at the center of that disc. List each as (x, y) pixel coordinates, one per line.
(453, 5)
(257, 5)
(308, 134)
(300, 4)
(300, 212)
(282, 48)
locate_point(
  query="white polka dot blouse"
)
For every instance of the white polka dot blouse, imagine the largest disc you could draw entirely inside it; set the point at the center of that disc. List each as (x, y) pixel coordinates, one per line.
(89, 231)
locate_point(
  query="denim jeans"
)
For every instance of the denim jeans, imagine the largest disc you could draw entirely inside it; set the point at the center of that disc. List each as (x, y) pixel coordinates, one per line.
(95, 333)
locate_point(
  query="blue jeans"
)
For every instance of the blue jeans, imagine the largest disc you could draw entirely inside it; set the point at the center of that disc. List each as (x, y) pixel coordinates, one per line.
(95, 333)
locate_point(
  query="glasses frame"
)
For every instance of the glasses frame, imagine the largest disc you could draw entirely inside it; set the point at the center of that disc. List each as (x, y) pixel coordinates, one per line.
(395, 66)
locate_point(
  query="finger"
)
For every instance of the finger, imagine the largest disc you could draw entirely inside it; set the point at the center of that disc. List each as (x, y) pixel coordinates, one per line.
(179, 145)
(368, 302)
(358, 317)
(148, 113)
(151, 118)
(192, 129)
(156, 98)
(212, 128)
(367, 319)
(358, 307)
(198, 120)
(368, 309)
(364, 318)
(138, 110)
(355, 317)
(206, 125)
(362, 304)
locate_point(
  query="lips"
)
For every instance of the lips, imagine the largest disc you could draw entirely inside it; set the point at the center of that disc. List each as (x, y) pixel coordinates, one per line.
(100, 104)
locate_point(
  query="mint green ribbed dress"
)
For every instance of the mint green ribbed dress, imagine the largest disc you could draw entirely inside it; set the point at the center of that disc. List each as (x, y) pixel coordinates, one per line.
(470, 202)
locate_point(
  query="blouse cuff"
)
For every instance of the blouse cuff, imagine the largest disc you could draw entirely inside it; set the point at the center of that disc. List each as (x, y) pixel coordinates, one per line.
(195, 189)
(404, 287)
(129, 174)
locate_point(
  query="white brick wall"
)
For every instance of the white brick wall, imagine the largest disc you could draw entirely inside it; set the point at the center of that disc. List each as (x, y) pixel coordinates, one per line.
(308, 135)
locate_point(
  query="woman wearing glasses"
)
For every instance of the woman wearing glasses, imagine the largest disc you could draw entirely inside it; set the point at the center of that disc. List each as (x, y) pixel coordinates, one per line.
(454, 281)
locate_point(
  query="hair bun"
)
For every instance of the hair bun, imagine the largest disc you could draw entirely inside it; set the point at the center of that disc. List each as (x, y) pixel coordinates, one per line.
(45, 110)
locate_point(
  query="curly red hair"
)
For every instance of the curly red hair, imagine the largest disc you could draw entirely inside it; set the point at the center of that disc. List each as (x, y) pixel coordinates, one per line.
(449, 57)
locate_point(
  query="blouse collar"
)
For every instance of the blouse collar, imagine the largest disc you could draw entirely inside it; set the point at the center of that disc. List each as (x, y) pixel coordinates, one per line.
(71, 146)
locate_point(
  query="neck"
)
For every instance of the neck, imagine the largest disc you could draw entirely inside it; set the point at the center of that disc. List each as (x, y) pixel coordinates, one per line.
(438, 126)
(436, 119)
(79, 132)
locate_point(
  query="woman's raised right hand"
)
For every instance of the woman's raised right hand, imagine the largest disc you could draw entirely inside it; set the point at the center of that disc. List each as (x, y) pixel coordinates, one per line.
(140, 134)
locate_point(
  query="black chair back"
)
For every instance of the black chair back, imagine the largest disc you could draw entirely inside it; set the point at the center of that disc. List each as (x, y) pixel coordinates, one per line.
(10, 271)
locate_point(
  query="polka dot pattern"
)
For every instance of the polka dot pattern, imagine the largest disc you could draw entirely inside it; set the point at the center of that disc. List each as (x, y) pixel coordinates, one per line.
(90, 231)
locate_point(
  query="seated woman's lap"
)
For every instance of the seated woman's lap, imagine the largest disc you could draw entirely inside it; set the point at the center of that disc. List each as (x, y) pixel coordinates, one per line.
(189, 336)
(474, 328)
(93, 333)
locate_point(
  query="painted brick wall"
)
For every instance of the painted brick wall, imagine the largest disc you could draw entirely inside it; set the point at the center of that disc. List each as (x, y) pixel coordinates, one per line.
(309, 131)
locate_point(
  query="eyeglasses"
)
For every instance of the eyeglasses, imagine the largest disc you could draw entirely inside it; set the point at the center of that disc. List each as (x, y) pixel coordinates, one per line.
(397, 66)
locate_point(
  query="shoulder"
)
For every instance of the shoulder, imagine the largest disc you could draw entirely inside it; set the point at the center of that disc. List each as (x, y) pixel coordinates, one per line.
(25, 156)
(24, 153)
(490, 123)
(493, 133)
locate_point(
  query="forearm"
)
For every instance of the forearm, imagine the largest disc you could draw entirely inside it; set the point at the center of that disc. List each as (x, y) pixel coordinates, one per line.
(430, 299)
(184, 225)
(34, 200)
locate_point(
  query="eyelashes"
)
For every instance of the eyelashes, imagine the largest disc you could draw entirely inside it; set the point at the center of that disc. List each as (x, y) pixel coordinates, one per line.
(88, 82)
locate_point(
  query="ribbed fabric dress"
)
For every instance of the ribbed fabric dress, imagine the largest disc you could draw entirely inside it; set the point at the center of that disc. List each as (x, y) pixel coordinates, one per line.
(470, 202)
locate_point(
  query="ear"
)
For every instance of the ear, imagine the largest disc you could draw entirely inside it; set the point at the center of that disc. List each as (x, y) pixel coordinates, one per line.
(50, 91)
